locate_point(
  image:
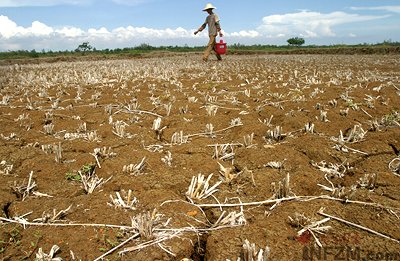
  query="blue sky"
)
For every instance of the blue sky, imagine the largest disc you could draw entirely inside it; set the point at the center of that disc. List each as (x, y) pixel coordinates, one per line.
(64, 24)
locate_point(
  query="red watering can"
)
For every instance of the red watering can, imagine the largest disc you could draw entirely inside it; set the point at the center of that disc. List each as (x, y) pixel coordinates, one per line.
(220, 48)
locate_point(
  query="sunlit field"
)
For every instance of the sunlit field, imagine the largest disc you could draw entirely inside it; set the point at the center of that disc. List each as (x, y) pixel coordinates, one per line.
(169, 158)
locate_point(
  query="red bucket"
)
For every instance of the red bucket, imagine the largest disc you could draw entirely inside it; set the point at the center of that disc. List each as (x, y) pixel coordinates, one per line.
(220, 48)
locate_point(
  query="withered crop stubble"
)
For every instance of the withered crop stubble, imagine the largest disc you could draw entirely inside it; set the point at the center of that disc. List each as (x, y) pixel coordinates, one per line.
(211, 146)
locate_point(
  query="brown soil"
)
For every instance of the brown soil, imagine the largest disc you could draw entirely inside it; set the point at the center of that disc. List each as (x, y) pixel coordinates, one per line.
(295, 90)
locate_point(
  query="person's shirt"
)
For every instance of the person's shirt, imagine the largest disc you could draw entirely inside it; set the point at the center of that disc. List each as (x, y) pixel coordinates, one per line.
(213, 24)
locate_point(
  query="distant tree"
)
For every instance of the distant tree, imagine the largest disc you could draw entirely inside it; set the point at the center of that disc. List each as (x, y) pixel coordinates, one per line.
(33, 53)
(144, 47)
(84, 47)
(296, 41)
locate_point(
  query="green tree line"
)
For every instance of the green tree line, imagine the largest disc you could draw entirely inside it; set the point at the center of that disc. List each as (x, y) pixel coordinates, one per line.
(86, 49)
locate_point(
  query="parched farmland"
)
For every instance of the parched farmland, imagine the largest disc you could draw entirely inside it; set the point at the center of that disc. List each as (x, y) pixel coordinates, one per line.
(170, 158)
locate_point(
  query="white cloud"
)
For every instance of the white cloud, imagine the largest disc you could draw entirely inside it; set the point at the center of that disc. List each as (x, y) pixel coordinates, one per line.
(41, 36)
(131, 33)
(251, 34)
(9, 29)
(274, 29)
(70, 32)
(388, 8)
(309, 24)
(39, 29)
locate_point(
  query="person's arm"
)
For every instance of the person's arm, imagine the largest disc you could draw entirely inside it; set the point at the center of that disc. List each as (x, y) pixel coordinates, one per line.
(217, 24)
(201, 28)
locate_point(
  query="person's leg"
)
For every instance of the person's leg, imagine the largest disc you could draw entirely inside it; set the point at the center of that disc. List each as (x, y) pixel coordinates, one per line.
(210, 47)
(216, 54)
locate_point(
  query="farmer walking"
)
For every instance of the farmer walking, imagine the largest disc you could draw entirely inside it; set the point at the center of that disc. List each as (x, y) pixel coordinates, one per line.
(212, 21)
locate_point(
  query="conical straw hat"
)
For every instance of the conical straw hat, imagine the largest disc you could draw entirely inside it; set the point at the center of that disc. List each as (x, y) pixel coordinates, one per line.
(209, 6)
